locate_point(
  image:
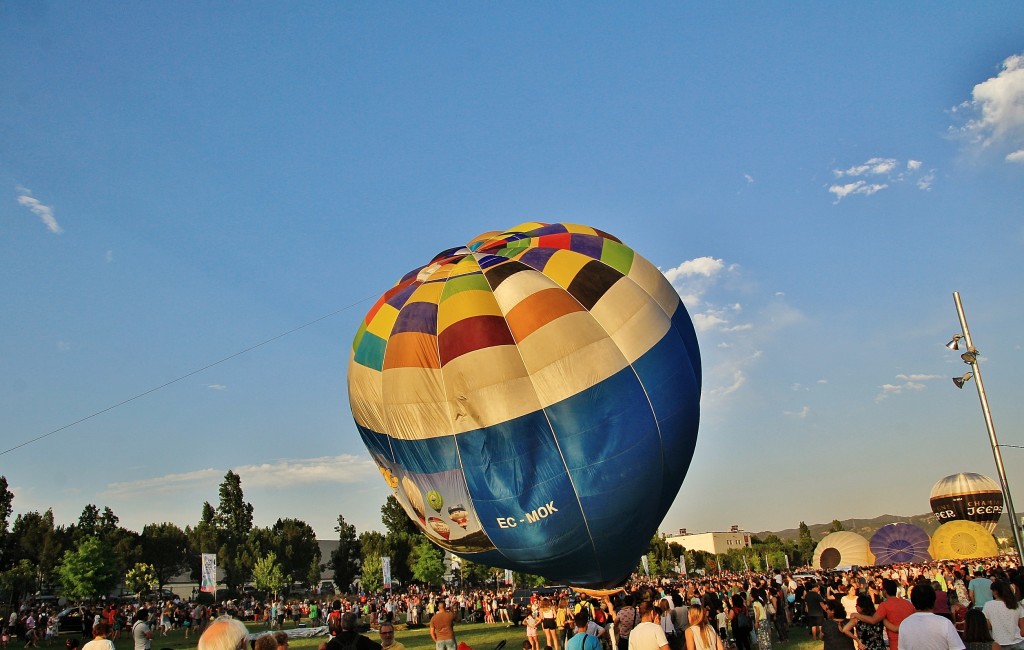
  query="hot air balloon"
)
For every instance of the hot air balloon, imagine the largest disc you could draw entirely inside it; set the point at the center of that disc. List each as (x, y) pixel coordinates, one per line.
(900, 542)
(968, 497)
(962, 540)
(842, 549)
(546, 380)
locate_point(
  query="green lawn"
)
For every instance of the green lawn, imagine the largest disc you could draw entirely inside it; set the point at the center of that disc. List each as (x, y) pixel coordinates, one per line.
(479, 636)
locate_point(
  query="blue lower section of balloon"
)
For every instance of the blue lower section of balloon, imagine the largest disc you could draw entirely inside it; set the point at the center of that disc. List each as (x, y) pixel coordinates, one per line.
(587, 480)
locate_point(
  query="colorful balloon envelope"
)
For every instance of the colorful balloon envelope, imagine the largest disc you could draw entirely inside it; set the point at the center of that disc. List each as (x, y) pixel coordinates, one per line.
(532, 398)
(900, 542)
(962, 540)
(842, 549)
(968, 497)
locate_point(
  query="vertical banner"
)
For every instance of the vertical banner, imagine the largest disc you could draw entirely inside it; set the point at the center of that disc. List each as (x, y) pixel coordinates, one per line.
(787, 561)
(745, 567)
(385, 563)
(767, 566)
(508, 576)
(209, 576)
(682, 563)
(647, 566)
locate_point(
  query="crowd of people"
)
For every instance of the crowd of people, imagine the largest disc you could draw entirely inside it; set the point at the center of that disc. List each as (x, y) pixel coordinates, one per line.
(968, 605)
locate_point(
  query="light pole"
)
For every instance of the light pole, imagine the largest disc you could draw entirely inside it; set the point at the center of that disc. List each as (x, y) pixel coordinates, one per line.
(971, 358)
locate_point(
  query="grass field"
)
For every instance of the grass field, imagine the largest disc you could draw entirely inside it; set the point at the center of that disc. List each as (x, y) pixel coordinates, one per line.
(479, 636)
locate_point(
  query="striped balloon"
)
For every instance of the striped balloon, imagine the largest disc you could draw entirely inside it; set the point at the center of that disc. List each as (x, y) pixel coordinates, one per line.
(532, 399)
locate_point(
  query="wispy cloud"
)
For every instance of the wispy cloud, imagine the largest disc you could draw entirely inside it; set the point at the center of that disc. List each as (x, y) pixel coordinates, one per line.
(801, 414)
(41, 210)
(217, 387)
(748, 178)
(109, 257)
(732, 315)
(911, 382)
(877, 174)
(281, 473)
(995, 112)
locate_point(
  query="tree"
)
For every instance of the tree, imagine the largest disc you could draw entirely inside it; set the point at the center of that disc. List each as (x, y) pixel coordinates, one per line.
(267, 574)
(395, 519)
(836, 526)
(234, 521)
(35, 538)
(89, 571)
(345, 559)
(427, 563)
(297, 549)
(140, 578)
(19, 580)
(202, 539)
(165, 549)
(6, 508)
(371, 578)
(88, 522)
(805, 543)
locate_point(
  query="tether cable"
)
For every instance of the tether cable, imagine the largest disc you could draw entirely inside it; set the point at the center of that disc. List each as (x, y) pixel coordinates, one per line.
(187, 375)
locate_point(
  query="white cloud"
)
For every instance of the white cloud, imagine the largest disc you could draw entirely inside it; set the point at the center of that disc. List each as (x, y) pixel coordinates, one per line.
(63, 346)
(910, 384)
(41, 210)
(705, 266)
(873, 167)
(859, 187)
(217, 387)
(738, 379)
(1016, 156)
(110, 257)
(997, 106)
(886, 172)
(705, 322)
(801, 414)
(749, 178)
(281, 473)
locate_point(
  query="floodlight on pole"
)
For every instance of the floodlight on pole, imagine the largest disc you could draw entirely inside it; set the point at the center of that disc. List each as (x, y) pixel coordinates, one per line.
(960, 381)
(971, 358)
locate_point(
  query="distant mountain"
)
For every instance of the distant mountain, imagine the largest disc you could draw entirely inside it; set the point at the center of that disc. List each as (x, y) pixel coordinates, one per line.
(867, 527)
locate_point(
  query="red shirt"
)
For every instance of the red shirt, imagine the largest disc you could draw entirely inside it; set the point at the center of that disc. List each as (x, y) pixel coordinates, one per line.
(894, 610)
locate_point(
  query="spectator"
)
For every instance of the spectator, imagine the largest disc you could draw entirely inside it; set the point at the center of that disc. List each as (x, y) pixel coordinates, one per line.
(1005, 616)
(141, 634)
(224, 633)
(442, 628)
(99, 638)
(348, 637)
(923, 630)
(387, 638)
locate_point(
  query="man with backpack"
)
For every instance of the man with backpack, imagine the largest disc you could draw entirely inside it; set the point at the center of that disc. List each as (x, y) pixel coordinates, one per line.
(586, 634)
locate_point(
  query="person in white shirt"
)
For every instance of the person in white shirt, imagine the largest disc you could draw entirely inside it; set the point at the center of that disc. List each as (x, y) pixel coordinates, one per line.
(648, 635)
(1005, 616)
(924, 630)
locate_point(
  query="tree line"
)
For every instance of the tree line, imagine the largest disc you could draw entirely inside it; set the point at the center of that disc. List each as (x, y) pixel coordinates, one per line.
(90, 558)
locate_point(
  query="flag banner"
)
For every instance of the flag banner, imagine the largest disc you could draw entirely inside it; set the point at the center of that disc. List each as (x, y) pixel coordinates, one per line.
(647, 566)
(209, 578)
(682, 564)
(787, 562)
(508, 576)
(745, 567)
(385, 563)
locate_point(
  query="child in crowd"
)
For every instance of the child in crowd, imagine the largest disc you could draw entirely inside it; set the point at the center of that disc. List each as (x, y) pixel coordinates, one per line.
(531, 623)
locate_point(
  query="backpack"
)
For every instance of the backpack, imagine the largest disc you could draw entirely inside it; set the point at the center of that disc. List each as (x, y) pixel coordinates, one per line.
(741, 622)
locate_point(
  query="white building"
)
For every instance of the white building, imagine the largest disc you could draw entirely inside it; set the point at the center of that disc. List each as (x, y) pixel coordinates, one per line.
(711, 542)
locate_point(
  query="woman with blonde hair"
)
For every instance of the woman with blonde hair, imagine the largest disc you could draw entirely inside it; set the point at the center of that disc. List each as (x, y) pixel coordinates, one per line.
(701, 634)
(549, 623)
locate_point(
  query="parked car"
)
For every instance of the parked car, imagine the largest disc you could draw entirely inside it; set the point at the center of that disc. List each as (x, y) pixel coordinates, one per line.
(70, 620)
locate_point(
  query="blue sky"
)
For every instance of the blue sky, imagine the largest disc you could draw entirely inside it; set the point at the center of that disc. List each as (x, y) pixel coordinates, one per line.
(180, 182)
